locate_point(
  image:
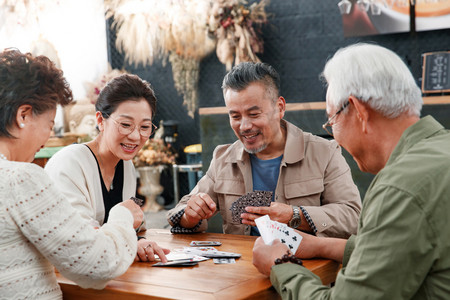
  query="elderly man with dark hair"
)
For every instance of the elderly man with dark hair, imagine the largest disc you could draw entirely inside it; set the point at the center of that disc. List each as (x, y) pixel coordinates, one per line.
(402, 247)
(311, 182)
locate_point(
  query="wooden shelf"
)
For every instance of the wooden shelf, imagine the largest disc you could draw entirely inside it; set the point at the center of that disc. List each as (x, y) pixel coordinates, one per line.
(320, 105)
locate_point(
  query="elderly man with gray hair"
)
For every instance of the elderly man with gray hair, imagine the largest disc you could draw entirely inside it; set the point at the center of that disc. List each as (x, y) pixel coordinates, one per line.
(402, 249)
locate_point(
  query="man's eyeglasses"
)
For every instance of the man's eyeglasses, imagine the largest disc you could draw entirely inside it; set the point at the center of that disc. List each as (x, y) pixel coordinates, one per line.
(329, 124)
(127, 127)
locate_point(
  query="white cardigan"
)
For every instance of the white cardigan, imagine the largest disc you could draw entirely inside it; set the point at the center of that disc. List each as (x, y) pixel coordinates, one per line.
(76, 174)
(39, 227)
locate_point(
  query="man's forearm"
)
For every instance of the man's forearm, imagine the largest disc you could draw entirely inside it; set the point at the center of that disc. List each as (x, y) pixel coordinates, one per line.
(331, 248)
(185, 222)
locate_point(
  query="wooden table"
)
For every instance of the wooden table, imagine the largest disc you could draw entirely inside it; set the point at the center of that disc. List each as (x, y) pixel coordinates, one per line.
(203, 281)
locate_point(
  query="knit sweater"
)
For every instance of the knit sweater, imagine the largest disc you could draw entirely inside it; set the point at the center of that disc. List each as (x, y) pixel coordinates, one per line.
(74, 169)
(39, 228)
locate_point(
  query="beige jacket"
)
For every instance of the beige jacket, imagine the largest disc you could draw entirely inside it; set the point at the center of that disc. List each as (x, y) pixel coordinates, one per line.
(313, 174)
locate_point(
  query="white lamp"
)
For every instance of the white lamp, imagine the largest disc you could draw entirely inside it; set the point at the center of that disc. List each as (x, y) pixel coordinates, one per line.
(363, 5)
(345, 7)
(375, 8)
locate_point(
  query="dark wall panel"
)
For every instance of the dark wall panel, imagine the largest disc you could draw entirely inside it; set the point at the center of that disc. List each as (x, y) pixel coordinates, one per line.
(300, 36)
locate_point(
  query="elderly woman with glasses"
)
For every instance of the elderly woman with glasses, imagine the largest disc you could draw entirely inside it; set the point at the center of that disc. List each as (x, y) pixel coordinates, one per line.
(99, 174)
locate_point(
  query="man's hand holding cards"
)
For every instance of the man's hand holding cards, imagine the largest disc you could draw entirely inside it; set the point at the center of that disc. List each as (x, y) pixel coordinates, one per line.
(271, 230)
(256, 198)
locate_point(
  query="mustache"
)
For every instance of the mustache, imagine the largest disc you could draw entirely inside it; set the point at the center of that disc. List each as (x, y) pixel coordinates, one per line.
(247, 132)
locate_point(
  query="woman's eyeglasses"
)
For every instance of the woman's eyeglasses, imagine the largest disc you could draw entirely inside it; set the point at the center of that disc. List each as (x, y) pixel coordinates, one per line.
(127, 127)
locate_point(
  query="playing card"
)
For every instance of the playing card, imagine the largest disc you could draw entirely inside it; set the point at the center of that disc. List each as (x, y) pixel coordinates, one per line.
(277, 228)
(204, 243)
(271, 230)
(222, 254)
(172, 256)
(256, 198)
(224, 260)
(177, 263)
(199, 249)
(175, 256)
(263, 224)
(138, 201)
(210, 252)
(291, 238)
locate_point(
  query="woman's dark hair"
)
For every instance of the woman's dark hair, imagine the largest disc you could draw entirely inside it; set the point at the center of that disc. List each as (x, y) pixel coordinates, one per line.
(25, 79)
(124, 88)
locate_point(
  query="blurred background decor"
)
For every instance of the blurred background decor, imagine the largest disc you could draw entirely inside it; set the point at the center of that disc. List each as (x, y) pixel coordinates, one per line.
(93, 88)
(151, 160)
(80, 120)
(185, 32)
(237, 29)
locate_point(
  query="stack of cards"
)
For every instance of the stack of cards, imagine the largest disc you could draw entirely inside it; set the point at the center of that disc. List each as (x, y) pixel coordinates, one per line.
(180, 259)
(210, 252)
(271, 230)
(256, 198)
(204, 243)
(176, 255)
(177, 263)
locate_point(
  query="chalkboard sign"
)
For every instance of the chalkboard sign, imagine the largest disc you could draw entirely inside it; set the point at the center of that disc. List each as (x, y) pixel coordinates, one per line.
(435, 75)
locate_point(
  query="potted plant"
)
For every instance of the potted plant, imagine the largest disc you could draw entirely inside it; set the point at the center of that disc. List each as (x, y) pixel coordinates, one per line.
(154, 156)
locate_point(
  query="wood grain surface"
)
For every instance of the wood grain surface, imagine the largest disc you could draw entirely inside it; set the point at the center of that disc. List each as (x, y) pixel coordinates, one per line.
(203, 281)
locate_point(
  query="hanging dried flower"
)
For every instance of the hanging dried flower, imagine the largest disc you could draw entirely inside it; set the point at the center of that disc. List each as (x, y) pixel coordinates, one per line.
(186, 31)
(235, 27)
(152, 29)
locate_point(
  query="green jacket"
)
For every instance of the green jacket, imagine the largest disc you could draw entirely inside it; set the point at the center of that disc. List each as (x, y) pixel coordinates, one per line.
(402, 250)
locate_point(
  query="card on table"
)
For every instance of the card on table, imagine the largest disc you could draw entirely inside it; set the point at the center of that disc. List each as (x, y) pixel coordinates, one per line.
(175, 255)
(224, 260)
(204, 243)
(256, 198)
(271, 230)
(210, 252)
(177, 263)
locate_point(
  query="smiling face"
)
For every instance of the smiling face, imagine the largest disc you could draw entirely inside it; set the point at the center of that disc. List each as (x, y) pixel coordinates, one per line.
(255, 118)
(127, 114)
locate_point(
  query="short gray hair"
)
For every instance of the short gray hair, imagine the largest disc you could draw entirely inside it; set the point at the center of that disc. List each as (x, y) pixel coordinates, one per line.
(246, 73)
(374, 75)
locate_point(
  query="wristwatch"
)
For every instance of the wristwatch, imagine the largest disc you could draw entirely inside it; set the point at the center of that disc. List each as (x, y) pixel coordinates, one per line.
(296, 219)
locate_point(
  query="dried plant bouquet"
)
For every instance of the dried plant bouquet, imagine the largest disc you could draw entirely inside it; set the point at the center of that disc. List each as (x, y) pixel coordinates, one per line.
(185, 32)
(155, 153)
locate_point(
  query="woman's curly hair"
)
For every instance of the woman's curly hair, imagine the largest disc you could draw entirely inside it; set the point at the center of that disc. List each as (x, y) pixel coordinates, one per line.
(25, 79)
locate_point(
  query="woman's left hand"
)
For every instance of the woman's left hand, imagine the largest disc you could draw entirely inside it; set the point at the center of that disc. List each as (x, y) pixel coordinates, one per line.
(146, 251)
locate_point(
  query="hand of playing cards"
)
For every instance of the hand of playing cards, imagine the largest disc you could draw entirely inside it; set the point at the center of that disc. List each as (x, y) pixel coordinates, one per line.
(256, 198)
(138, 201)
(271, 230)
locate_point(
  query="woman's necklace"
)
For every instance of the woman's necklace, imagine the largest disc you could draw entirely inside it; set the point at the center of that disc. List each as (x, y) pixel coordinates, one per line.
(2, 156)
(101, 164)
